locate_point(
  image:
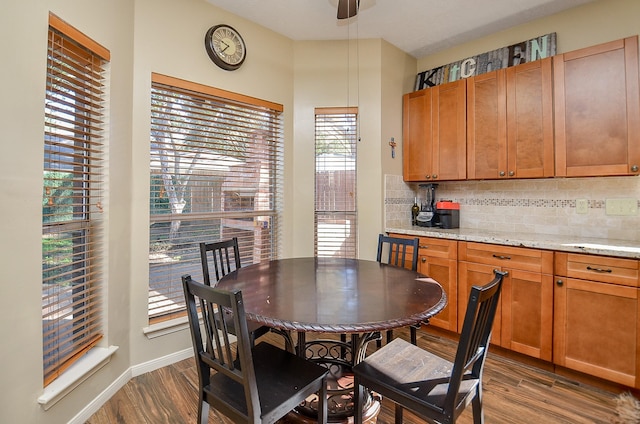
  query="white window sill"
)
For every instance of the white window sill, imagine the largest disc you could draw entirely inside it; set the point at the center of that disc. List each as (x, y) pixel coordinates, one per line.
(166, 327)
(84, 368)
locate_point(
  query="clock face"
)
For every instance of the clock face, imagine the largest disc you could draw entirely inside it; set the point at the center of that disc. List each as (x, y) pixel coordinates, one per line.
(225, 47)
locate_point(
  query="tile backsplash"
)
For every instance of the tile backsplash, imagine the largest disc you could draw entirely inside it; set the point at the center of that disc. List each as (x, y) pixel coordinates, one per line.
(541, 206)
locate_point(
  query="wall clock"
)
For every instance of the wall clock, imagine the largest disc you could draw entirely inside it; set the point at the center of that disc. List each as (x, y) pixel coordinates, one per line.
(225, 47)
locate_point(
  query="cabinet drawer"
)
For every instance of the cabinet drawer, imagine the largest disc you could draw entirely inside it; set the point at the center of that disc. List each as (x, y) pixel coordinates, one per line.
(521, 258)
(434, 247)
(438, 248)
(597, 268)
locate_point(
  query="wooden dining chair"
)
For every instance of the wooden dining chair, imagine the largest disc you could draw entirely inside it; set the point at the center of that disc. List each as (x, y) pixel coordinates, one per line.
(258, 384)
(426, 384)
(218, 259)
(399, 251)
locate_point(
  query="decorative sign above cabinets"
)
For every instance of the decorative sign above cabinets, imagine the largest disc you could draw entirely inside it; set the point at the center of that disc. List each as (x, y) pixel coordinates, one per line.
(525, 51)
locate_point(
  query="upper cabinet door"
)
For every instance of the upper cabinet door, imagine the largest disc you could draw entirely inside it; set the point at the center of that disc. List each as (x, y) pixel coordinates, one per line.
(510, 123)
(487, 126)
(530, 120)
(416, 143)
(597, 110)
(449, 124)
(434, 133)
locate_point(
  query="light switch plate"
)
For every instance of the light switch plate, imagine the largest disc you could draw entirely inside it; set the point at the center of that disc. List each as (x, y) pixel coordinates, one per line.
(621, 207)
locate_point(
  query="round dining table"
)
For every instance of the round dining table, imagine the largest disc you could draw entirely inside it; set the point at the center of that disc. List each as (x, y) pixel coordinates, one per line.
(335, 295)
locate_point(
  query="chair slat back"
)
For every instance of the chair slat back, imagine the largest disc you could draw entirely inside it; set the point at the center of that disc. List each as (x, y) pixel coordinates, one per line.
(475, 335)
(223, 256)
(213, 350)
(398, 251)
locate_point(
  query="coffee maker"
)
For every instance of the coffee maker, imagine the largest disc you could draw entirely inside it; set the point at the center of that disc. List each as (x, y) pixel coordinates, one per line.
(427, 216)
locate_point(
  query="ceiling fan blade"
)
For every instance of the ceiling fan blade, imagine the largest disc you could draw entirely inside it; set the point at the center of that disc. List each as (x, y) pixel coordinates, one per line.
(347, 8)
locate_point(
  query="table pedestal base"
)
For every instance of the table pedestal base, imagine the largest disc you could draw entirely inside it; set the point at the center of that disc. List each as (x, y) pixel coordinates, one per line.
(369, 416)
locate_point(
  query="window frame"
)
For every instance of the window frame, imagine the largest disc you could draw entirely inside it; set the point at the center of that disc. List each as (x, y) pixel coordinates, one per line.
(335, 182)
(214, 129)
(74, 176)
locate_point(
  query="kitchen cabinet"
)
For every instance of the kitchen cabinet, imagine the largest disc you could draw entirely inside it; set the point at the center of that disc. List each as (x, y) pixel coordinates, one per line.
(438, 259)
(597, 110)
(597, 317)
(524, 320)
(434, 133)
(510, 122)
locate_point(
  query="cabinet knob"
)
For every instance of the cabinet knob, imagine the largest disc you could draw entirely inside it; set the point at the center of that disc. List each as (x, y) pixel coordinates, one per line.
(559, 282)
(502, 173)
(511, 173)
(634, 168)
(427, 176)
(423, 259)
(434, 176)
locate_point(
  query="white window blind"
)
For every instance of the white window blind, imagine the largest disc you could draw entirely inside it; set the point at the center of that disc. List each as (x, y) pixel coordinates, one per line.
(216, 173)
(335, 182)
(72, 230)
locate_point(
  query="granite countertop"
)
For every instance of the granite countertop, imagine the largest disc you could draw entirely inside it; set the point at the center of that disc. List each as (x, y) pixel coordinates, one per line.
(594, 246)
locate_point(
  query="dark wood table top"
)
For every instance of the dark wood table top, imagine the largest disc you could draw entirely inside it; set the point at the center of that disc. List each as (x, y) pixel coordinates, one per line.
(334, 295)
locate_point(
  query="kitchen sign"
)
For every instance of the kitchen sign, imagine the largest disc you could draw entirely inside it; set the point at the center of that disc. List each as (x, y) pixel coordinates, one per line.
(525, 51)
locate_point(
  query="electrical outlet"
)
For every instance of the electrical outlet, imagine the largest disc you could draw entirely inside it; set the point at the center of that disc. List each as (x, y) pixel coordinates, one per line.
(582, 206)
(621, 207)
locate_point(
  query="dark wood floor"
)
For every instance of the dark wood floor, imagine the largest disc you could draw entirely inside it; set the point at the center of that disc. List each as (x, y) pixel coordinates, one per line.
(513, 393)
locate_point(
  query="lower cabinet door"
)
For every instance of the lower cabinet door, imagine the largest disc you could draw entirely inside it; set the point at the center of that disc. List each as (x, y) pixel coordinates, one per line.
(445, 272)
(474, 274)
(527, 313)
(596, 329)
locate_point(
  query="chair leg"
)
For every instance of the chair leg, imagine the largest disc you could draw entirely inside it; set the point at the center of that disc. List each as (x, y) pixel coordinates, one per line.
(399, 410)
(389, 336)
(203, 410)
(476, 405)
(358, 400)
(414, 335)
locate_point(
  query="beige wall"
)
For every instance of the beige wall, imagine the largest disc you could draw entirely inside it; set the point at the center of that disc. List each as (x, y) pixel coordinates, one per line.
(22, 110)
(374, 81)
(167, 38)
(538, 206)
(583, 26)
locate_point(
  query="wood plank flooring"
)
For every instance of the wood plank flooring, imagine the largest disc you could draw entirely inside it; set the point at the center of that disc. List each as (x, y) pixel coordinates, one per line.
(513, 393)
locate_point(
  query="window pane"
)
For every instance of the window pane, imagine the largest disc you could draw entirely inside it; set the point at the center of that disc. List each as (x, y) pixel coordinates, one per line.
(335, 183)
(216, 173)
(72, 233)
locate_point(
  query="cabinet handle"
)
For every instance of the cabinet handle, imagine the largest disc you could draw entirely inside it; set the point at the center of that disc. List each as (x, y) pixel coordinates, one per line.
(508, 258)
(427, 176)
(434, 176)
(598, 269)
(502, 173)
(511, 173)
(423, 246)
(559, 282)
(423, 259)
(634, 168)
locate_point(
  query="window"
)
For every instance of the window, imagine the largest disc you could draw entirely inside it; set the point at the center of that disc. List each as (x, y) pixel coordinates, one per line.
(72, 230)
(335, 195)
(216, 173)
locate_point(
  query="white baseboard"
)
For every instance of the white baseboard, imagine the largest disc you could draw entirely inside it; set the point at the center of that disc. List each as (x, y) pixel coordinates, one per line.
(134, 371)
(154, 364)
